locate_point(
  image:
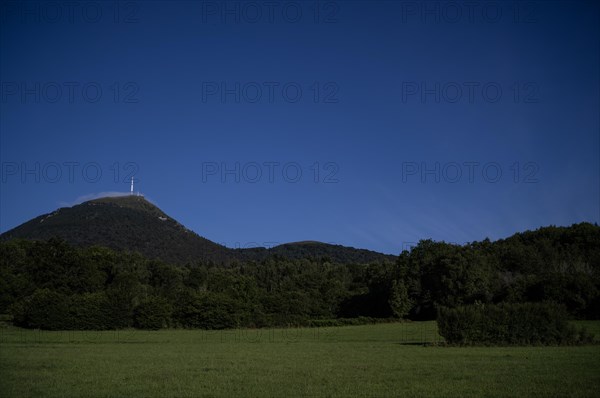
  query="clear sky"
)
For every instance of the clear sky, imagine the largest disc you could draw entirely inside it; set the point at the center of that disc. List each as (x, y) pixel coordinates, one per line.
(367, 124)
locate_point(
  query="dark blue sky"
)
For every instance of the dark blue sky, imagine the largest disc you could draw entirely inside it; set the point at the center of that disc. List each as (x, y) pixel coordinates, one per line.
(367, 124)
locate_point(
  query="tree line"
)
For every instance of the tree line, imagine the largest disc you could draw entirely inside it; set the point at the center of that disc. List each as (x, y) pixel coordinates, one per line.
(53, 285)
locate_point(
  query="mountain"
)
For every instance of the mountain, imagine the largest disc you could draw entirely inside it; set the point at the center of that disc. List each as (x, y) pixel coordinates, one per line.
(132, 223)
(122, 223)
(315, 250)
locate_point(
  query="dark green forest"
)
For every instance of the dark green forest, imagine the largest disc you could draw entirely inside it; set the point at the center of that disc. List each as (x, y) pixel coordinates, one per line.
(51, 284)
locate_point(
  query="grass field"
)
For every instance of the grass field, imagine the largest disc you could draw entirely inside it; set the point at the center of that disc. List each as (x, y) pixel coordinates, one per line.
(373, 360)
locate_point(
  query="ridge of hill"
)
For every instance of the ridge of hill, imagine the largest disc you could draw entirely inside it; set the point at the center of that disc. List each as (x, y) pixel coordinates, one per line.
(132, 223)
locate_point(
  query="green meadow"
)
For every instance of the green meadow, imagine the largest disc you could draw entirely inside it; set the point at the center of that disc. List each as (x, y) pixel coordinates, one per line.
(395, 359)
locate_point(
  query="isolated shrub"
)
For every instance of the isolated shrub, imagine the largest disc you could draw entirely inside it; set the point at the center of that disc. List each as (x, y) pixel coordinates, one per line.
(153, 313)
(509, 324)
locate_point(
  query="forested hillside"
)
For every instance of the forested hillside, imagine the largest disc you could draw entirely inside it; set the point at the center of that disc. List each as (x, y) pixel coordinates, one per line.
(132, 223)
(54, 285)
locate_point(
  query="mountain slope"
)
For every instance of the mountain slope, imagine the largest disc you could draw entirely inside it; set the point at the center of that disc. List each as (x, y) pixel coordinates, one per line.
(123, 223)
(132, 223)
(316, 250)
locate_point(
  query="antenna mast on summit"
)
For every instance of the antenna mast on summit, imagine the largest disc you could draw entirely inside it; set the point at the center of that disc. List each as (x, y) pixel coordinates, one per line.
(131, 191)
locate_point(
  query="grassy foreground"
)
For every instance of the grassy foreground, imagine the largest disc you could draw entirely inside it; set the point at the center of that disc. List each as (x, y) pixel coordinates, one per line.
(373, 360)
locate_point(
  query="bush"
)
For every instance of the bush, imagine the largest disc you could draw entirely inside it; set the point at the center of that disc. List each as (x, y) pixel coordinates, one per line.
(207, 311)
(44, 309)
(509, 324)
(91, 311)
(361, 320)
(153, 313)
(51, 310)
